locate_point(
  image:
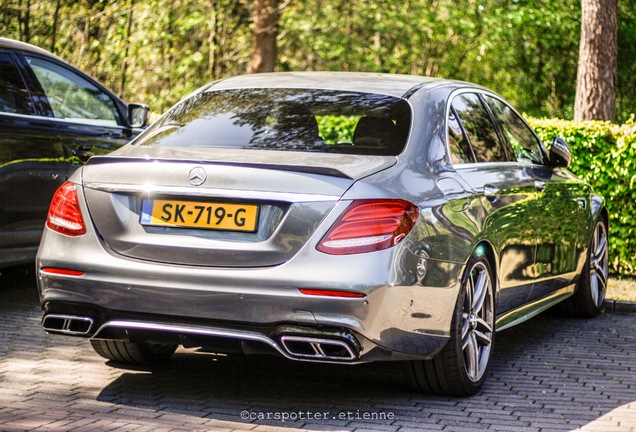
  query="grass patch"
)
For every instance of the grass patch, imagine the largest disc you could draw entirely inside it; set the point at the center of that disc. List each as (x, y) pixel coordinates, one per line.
(621, 289)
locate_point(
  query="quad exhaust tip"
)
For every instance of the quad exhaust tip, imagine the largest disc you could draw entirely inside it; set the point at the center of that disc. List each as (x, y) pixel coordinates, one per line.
(317, 348)
(67, 324)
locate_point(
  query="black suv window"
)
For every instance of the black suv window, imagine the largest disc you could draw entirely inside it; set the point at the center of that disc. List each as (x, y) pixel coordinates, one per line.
(527, 148)
(72, 97)
(14, 97)
(479, 128)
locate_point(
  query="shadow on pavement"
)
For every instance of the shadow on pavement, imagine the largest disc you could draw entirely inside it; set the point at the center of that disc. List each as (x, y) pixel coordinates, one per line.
(548, 374)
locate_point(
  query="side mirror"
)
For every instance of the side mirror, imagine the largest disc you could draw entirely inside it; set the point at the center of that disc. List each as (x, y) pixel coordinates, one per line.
(560, 153)
(137, 115)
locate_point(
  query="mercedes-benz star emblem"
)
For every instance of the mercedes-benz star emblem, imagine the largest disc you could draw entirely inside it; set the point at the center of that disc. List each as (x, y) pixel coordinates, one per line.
(197, 176)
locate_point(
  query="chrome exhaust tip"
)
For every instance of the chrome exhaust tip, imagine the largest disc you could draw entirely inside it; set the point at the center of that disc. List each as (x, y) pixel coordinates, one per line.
(67, 324)
(317, 348)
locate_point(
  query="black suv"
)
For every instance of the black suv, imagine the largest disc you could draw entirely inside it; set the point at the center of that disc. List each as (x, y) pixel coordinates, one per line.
(53, 117)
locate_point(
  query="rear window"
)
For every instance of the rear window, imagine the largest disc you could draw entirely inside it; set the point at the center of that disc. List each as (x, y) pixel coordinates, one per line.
(286, 119)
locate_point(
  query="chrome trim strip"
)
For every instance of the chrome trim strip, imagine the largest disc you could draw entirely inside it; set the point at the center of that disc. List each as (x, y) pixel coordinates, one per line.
(190, 329)
(27, 116)
(227, 333)
(209, 192)
(530, 310)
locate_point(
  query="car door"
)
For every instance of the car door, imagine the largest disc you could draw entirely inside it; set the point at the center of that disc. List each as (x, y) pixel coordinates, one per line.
(561, 207)
(31, 164)
(89, 120)
(505, 191)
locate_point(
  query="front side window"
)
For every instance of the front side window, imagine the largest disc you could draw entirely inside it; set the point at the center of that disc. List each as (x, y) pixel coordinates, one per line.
(324, 121)
(14, 97)
(479, 128)
(527, 148)
(72, 97)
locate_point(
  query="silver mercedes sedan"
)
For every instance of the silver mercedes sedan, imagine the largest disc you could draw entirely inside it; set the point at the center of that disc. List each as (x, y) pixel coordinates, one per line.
(325, 217)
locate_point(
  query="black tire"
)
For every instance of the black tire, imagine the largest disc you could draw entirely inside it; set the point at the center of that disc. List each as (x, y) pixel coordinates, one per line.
(454, 372)
(587, 300)
(136, 353)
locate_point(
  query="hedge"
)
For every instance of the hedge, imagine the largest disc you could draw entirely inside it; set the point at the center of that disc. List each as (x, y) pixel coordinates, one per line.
(604, 154)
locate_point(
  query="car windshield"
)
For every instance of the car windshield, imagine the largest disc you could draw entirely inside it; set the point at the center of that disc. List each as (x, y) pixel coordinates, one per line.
(286, 119)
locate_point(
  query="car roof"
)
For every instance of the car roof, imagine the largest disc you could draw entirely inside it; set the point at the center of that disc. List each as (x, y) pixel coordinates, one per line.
(362, 82)
(23, 46)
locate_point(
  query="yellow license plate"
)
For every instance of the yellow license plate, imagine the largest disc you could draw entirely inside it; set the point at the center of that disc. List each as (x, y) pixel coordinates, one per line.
(195, 214)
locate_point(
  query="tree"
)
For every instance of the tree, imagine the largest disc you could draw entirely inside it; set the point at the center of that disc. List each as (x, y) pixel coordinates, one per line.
(596, 78)
(266, 15)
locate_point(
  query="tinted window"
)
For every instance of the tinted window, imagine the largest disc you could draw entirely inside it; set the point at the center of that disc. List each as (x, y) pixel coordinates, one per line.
(72, 97)
(457, 142)
(479, 128)
(14, 97)
(286, 119)
(524, 143)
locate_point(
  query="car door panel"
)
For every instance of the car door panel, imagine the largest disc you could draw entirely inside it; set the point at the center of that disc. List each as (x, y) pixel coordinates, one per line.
(565, 209)
(44, 138)
(88, 120)
(512, 217)
(82, 141)
(559, 205)
(506, 191)
(31, 162)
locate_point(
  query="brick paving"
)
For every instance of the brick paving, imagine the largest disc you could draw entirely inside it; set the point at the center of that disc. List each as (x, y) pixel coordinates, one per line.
(549, 374)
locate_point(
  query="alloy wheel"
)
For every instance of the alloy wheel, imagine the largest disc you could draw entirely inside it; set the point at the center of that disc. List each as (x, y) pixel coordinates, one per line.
(599, 264)
(477, 321)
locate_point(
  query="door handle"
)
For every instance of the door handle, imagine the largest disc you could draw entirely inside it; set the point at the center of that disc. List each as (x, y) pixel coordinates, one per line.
(539, 185)
(491, 192)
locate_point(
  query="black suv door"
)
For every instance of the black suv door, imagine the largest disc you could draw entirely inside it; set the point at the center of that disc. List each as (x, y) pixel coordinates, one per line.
(53, 118)
(32, 164)
(89, 119)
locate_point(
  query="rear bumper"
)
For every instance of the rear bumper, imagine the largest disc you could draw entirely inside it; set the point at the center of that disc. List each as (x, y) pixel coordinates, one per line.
(399, 317)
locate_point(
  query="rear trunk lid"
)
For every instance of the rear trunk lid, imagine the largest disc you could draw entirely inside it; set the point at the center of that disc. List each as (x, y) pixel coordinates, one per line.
(216, 207)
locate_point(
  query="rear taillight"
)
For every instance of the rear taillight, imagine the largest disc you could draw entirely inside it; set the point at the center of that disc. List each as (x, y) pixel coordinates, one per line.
(65, 216)
(370, 225)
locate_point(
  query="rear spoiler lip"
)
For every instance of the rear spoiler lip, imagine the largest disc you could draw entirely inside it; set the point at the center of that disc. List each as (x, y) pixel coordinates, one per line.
(311, 169)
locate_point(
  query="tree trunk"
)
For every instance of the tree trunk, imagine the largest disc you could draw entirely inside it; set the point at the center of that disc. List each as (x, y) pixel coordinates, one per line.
(266, 16)
(124, 64)
(212, 24)
(596, 79)
(24, 21)
(56, 17)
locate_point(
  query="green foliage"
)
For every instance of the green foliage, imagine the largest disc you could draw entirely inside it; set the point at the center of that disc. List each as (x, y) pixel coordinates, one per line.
(525, 50)
(337, 129)
(605, 156)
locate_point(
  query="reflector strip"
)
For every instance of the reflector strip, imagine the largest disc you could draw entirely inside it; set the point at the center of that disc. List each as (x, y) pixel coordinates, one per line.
(61, 271)
(331, 293)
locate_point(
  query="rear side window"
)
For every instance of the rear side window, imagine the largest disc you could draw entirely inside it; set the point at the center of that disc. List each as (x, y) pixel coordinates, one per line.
(323, 121)
(14, 97)
(457, 141)
(479, 128)
(525, 145)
